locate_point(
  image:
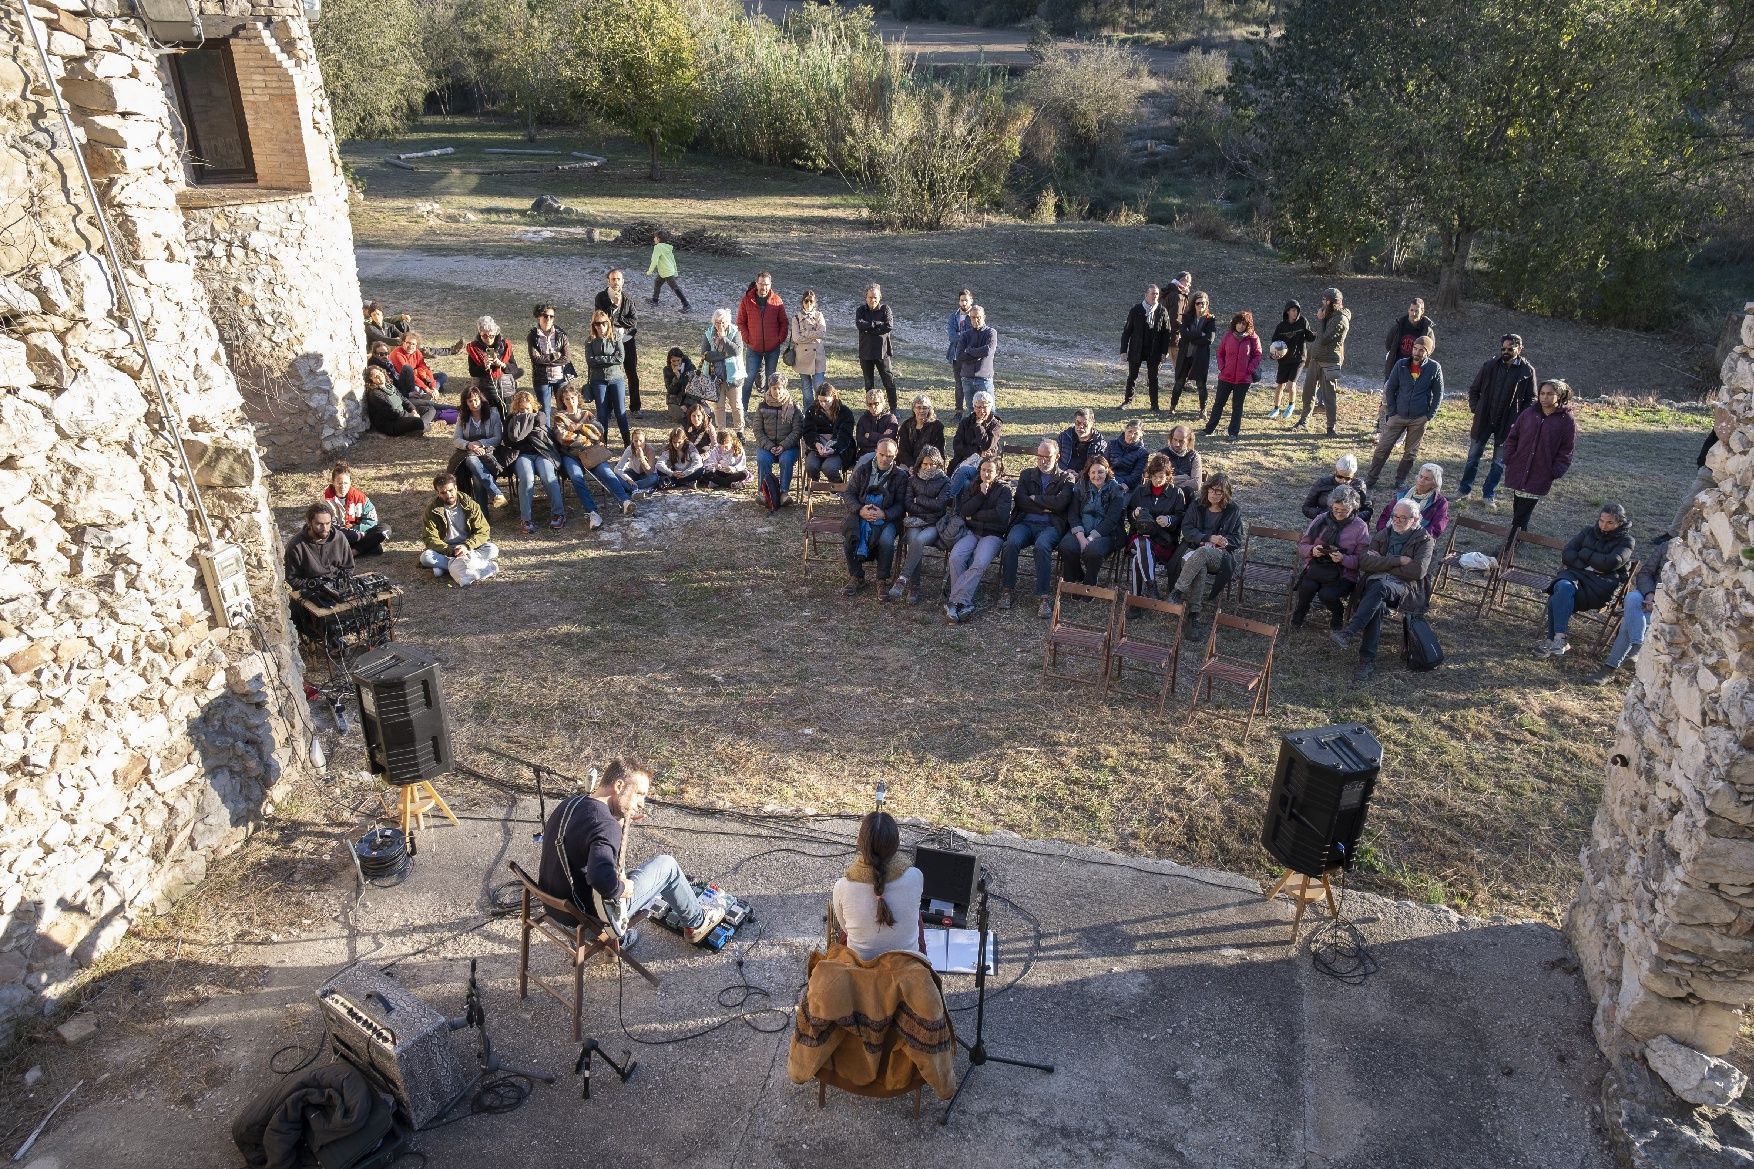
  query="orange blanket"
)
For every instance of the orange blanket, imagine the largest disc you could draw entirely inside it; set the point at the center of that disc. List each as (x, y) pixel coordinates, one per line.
(875, 1028)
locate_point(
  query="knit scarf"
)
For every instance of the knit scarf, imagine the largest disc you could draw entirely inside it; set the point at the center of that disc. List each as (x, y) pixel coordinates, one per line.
(864, 873)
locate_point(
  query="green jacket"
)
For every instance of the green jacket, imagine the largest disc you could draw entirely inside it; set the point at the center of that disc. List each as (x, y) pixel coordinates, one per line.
(663, 261)
(479, 532)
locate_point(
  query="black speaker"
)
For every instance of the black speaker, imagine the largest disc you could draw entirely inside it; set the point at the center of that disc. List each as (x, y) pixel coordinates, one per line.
(407, 738)
(1321, 791)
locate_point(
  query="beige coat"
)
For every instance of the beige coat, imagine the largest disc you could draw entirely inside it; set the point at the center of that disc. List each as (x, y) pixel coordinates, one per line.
(875, 1028)
(810, 335)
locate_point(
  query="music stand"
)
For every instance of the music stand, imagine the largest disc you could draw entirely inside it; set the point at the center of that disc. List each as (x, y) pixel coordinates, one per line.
(977, 1051)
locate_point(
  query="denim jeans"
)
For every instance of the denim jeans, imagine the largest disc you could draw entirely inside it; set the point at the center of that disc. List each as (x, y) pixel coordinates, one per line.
(648, 482)
(612, 483)
(917, 540)
(575, 473)
(807, 383)
(961, 478)
(478, 479)
(1476, 449)
(882, 547)
(662, 879)
(1632, 626)
(818, 467)
(611, 399)
(762, 364)
(1560, 606)
(545, 393)
(527, 468)
(1032, 531)
(974, 385)
(968, 563)
(1367, 619)
(788, 461)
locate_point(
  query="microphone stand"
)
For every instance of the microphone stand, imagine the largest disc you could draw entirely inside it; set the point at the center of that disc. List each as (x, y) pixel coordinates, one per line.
(977, 1052)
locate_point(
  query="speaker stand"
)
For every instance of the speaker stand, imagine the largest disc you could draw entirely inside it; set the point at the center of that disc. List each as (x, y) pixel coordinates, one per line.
(415, 801)
(1303, 893)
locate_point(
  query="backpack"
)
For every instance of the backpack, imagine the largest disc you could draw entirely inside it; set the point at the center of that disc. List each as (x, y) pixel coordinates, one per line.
(770, 491)
(1419, 644)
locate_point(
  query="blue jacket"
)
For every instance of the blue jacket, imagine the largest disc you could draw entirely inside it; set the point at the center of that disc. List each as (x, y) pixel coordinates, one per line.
(1127, 462)
(1074, 459)
(1408, 398)
(953, 328)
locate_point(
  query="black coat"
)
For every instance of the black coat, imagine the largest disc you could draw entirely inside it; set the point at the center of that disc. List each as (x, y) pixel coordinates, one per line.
(913, 438)
(1049, 495)
(976, 438)
(1297, 335)
(871, 429)
(1171, 503)
(929, 499)
(623, 317)
(986, 514)
(838, 431)
(527, 434)
(1197, 334)
(1597, 562)
(893, 491)
(1175, 303)
(1497, 395)
(1399, 342)
(1146, 337)
(875, 326)
(1316, 502)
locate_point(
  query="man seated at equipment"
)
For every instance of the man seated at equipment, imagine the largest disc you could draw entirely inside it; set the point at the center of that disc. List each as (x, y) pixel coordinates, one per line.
(582, 859)
(319, 550)
(456, 529)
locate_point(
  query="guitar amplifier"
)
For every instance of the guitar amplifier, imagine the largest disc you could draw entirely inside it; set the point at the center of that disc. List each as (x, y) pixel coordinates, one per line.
(396, 1040)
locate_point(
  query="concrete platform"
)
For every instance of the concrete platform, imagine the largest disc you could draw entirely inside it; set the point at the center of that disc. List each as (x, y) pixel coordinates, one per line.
(1184, 1030)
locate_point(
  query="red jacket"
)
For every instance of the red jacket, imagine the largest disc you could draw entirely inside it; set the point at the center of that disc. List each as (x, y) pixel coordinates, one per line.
(402, 359)
(763, 323)
(1239, 357)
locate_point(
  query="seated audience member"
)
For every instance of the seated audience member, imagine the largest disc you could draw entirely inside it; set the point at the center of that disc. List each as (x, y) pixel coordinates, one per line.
(476, 439)
(875, 907)
(1039, 521)
(582, 861)
(388, 411)
(637, 468)
(1315, 502)
(410, 363)
(678, 372)
(876, 497)
(1096, 517)
(1640, 600)
(355, 516)
(550, 354)
(456, 528)
(491, 363)
(376, 330)
(318, 551)
(580, 446)
(678, 465)
(1427, 492)
(985, 509)
(875, 424)
(1126, 456)
(1330, 548)
(828, 437)
(778, 426)
(921, 430)
(1211, 537)
(379, 356)
(531, 446)
(1080, 442)
(1185, 470)
(400, 327)
(979, 435)
(697, 427)
(1394, 569)
(725, 465)
(928, 502)
(1154, 511)
(1596, 561)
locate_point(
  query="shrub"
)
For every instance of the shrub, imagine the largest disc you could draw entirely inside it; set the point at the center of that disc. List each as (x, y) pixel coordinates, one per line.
(1084, 97)
(1194, 87)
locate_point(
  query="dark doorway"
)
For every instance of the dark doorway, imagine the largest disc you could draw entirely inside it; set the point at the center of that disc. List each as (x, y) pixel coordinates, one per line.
(213, 115)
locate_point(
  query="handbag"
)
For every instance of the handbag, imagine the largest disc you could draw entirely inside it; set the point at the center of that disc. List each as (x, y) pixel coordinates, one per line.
(593, 456)
(702, 388)
(951, 529)
(1323, 570)
(789, 355)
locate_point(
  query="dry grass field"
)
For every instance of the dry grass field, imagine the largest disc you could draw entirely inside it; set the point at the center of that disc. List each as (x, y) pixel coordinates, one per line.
(693, 637)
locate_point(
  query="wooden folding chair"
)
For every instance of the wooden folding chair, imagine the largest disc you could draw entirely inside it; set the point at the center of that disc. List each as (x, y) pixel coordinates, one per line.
(1529, 565)
(1253, 678)
(1466, 535)
(1086, 638)
(1134, 643)
(825, 508)
(579, 934)
(1270, 565)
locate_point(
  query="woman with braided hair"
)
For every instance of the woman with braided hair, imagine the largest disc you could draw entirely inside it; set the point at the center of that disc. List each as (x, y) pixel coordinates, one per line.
(876, 906)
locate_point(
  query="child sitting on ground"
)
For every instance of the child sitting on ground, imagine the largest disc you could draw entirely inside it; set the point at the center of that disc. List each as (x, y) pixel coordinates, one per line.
(725, 464)
(638, 464)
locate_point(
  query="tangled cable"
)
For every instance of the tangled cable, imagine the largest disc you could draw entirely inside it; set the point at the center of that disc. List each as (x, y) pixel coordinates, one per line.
(1338, 950)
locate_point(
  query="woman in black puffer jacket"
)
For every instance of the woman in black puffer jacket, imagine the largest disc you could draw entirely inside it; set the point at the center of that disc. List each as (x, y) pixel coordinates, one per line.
(1597, 562)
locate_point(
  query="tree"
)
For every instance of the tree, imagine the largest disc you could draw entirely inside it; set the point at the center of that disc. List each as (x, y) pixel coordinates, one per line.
(639, 70)
(376, 83)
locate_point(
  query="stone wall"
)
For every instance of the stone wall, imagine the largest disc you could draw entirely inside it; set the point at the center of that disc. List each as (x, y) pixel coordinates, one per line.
(139, 737)
(1664, 923)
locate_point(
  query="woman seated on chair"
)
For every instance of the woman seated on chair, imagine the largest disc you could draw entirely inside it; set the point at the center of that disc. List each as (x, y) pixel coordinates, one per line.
(1154, 513)
(928, 501)
(875, 908)
(1211, 536)
(1099, 512)
(1597, 562)
(828, 437)
(477, 438)
(1330, 548)
(1426, 491)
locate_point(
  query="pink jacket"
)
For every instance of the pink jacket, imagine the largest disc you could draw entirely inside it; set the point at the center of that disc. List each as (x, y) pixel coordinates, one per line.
(1239, 357)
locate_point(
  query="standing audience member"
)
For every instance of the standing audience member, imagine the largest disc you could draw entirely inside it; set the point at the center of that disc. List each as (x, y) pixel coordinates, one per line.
(476, 438)
(874, 425)
(876, 497)
(726, 466)
(1329, 549)
(663, 270)
(1327, 354)
(1239, 360)
(876, 323)
(828, 437)
(810, 345)
(1154, 511)
(1596, 565)
(1097, 514)
(953, 328)
(1412, 325)
(355, 517)
(1038, 521)
(678, 374)
(491, 363)
(1635, 617)
(778, 427)
(1294, 333)
(762, 320)
(1211, 535)
(606, 379)
(1538, 450)
(928, 502)
(1410, 401)
(1426, 492)
(978, 436)
(1081, 442)
(975, 353)
(456, 529)
(1126, 455)
(1178, 297)
(624, 326)
(531, 445)
(319, 551)
(1144, 341)
(1395, 568)
(678, 465)
(388, 411)
(1195, 359)
(549, 354)
(1185, 470)
(721, 355)
(985, 509)
(921, 430)
(1499, 393)
(1315, 501)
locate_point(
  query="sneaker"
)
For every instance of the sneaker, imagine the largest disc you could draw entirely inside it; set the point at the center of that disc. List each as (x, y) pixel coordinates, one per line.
(950, 612)
(558, 522)
(1341, 638)
(595, 520)
(714, 915)
(1045, 609)
(529, 529)
(1005, 599)
(629, 940)
(853, 586)
(1561, 646)
(437, 571)
(1362, 674)
(500, 501)
(1604, 676)
(1300, 424)
(1491, 504)
(627, 507)
(898, 589)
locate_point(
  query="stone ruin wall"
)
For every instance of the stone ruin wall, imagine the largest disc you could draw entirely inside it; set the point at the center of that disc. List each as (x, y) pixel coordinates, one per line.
(138, 737)
(1664, 922)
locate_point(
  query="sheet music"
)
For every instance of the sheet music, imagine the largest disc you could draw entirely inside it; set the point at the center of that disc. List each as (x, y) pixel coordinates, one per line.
(952, 951)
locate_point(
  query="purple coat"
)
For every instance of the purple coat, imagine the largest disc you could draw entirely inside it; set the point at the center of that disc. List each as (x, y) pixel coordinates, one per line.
(1354, 538)
(1538, 452)
(1433, 517)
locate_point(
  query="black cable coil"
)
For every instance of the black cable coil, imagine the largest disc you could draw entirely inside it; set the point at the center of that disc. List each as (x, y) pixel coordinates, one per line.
(383, 854)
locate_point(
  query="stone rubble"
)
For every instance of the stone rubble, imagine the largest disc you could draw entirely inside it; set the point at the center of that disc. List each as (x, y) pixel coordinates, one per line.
(1694, 1076)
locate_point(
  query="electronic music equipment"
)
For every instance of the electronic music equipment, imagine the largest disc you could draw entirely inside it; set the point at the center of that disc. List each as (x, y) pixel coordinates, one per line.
(948, 889)
(1321, 792)
(395, 1039)
(737, 913)
(407, 736)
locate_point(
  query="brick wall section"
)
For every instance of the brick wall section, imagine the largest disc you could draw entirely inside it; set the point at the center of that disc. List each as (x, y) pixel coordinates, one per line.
(272, 103)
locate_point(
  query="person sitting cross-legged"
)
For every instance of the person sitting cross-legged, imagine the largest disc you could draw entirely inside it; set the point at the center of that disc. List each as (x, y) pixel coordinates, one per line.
(1596, 561)
(1154, 512)
(985, 509)
(725, 465)
(677, 466)
(355, 516)
(456, 529)
(1211, 535)
(1095, 518)
(1394, 568)
(876, 495)
(1330, 548)
(1038, 521)
(928, 502)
